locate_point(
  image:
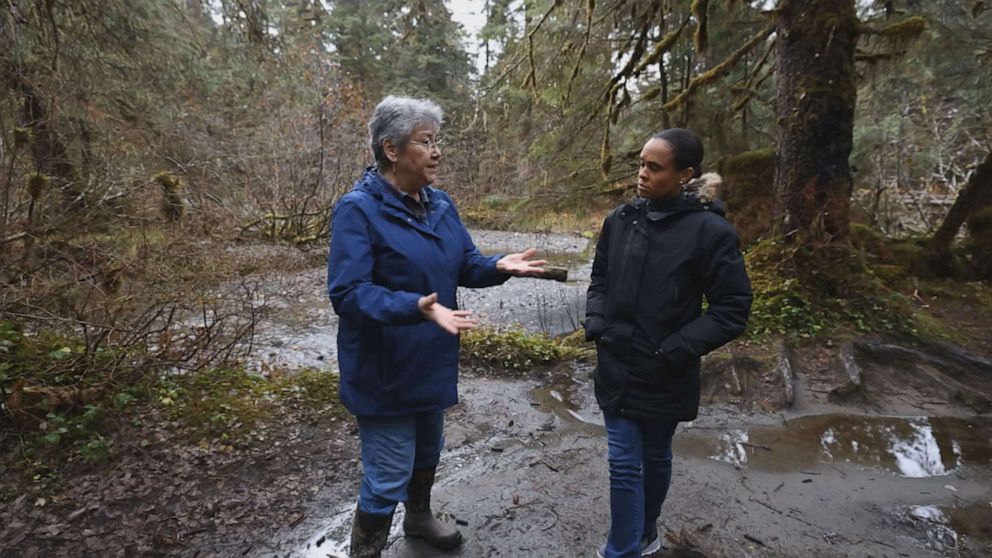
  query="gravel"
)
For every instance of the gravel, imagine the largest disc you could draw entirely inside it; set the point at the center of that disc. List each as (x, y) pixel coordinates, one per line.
(504, 241)
(538, 305)
(300, 329)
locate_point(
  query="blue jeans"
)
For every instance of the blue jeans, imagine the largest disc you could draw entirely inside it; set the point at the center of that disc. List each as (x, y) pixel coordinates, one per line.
(640, 456)
(392, 448)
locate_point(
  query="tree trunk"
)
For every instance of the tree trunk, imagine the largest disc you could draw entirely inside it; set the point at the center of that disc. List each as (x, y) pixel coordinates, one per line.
(816, 99)
(50, 155)
(975, 195)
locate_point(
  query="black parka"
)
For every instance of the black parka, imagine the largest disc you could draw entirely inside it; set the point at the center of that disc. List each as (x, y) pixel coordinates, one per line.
(654, 263)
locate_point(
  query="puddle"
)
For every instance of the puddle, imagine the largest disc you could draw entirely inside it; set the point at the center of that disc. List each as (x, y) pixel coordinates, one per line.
(974, 520)
(333, 539)
(560, 399)
(945, 525)
(507, 434)
(913, 447)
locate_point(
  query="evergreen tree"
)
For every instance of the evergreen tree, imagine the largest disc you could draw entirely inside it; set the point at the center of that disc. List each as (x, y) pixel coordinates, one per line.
(363, 36)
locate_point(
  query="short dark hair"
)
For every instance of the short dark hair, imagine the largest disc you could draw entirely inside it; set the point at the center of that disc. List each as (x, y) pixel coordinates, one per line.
(687, 149)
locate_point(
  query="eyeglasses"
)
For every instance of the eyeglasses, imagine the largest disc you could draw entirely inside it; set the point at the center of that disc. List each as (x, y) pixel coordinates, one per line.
(430, 144)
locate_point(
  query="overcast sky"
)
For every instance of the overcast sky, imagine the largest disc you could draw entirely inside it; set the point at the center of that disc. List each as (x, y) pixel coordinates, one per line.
(470, 14)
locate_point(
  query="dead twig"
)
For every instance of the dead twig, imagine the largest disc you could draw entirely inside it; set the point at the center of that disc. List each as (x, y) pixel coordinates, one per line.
(543, 462)
(754, 539)
(557, 519)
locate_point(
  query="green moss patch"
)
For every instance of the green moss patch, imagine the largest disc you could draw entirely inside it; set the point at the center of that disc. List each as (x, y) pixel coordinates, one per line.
(226, 404)
(748, 190)
(515, 350)
(800, 293)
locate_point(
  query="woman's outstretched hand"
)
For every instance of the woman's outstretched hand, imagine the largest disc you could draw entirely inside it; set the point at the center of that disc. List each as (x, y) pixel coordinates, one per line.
(452, 321)
(521, 264)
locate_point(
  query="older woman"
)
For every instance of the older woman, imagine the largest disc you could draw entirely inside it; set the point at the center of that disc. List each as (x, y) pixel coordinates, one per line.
(657, 257)
(398, 253)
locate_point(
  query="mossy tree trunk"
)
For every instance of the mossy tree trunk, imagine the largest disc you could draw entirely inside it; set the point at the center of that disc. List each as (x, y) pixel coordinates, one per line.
(976, 195)
(50, 154)
(815, 104)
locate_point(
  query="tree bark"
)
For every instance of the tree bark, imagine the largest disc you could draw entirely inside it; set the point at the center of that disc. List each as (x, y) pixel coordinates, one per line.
(816, 98)
(50, 155)
(975, 195)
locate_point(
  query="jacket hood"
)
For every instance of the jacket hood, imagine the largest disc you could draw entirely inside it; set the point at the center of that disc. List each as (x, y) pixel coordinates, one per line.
(699, 194)
(371, 182)
(705, 188)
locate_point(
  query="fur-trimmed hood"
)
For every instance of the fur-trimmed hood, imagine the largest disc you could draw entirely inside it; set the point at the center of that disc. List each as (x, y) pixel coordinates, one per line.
(699, 194)
(705, 188)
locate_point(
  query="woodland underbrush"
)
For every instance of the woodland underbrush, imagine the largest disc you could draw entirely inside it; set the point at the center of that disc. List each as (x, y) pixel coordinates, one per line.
(104, 323)
(869, 286)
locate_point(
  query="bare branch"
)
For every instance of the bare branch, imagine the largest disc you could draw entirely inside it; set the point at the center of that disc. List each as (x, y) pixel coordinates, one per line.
(716, 72)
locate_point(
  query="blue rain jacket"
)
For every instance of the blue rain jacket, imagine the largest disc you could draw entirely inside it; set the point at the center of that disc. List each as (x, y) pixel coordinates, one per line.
(382, 260)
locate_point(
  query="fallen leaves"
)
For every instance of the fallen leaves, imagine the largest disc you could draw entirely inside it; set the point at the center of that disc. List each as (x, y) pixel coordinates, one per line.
(172, 497)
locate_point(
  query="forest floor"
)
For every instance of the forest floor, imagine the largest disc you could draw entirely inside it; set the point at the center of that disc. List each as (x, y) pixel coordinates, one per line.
(869, 446)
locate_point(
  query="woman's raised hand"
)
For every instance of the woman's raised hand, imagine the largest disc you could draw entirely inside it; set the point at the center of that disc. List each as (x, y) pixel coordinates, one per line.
(452, 321)
(521, 264)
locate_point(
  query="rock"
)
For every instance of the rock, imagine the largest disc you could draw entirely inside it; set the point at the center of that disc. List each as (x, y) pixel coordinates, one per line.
(855, 384)
(784, 368)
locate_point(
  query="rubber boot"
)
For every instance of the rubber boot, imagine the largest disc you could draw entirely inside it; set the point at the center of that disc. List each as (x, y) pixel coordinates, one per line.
(369, 534)
(420, 521)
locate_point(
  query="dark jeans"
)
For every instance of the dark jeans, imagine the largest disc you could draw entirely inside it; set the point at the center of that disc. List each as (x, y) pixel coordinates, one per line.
(640, 456)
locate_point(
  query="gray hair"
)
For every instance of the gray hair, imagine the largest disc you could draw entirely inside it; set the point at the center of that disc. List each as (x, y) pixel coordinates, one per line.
(394, 118)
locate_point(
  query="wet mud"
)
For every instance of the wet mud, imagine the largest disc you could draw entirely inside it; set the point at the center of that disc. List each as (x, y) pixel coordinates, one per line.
(889, 458)
(525, 474)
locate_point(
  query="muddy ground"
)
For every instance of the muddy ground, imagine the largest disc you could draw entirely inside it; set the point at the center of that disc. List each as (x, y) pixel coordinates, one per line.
(864, 447)
(525, 469)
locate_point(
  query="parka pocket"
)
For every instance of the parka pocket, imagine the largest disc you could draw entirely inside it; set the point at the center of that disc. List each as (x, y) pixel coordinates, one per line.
(605, 337)
(616, 336)
(651, 374)
(384, 357)
(610, 369)
(399, 354)
(682, 286)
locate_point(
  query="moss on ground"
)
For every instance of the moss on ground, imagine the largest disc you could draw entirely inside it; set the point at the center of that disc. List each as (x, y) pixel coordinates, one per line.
(514, 350)
(228, 403)
(570, 214)
(872, 286)
(800, 292)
